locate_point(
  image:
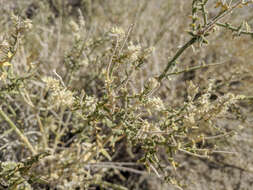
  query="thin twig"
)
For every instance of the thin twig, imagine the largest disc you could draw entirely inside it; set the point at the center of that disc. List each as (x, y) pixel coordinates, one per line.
(234, 29)
(192, 154)
(19, 133)
(177, 55)
(194, 68)
(102, 165)
(43, 133)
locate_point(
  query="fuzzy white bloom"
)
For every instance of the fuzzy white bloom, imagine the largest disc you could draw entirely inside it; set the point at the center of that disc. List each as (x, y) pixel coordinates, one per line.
(205, 99)
(21, 24)
(59, 96)
(192, 90)
(190, 119)
(14, 18)
(52, 83)
(155, 103)
(229, 99)
(63, 98)
(28, 24)
(91, 103)
(134, 51)
(211, 85)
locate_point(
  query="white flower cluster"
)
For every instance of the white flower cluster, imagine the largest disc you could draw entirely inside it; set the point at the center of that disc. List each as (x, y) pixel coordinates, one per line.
(90, 103)
(134, 52)
(51, 83)
(63, 97)
(155, 103)
(192, 90)
(21, 24)
(147, 130)
(60, 96)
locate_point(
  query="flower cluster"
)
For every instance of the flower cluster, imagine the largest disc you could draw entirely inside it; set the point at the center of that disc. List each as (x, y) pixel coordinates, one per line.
(134, 52)
(60, 96)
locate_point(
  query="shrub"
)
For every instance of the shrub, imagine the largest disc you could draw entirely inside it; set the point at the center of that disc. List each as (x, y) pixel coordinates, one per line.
(96, 110)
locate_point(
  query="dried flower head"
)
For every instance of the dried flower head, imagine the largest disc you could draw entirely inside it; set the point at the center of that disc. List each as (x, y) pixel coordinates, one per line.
(192, 90)
(52, 83)
(20, 24)
(134, 52)
(90, 103)
(28, 24)
(155, 103)
(62, 98)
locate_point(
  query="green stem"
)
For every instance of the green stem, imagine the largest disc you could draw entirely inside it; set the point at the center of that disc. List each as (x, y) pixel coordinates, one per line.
(234, 29)
(206, 29)
(177, 55)
(193, 69)
(204, 12)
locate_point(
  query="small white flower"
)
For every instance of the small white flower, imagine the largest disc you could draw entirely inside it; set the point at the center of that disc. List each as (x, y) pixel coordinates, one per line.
(63, 98)
(91, 103)
(155, 103)
(51, 83)
(134, 51)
